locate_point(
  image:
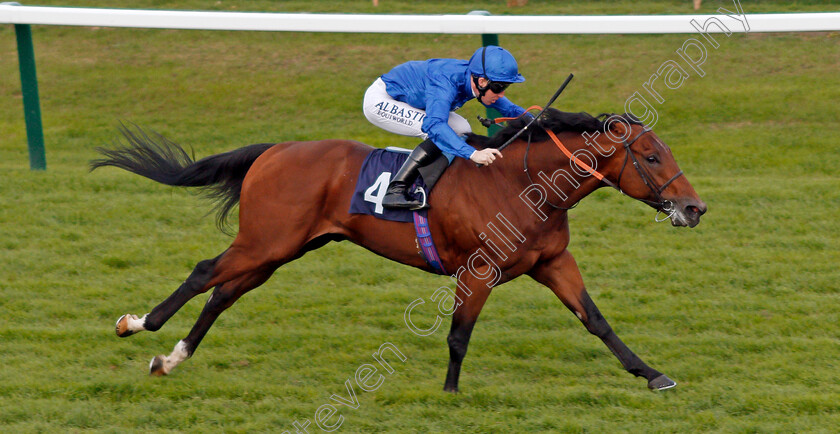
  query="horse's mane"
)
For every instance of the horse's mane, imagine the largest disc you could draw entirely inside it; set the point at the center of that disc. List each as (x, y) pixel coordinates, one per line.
(553, 119)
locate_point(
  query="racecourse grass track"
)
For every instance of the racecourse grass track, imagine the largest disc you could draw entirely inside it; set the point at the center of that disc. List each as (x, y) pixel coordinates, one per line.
(743, 311)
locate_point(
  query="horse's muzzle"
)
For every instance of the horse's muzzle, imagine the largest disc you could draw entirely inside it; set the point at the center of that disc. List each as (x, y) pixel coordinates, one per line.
(687, 212)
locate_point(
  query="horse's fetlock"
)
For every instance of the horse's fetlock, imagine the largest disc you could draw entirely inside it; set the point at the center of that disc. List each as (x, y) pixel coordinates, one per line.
(457, 348)
(454, 341)
(152, 326)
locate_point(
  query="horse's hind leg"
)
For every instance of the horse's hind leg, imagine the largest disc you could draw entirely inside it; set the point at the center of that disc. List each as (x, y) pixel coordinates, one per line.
(195, 284)
(222, 298)
(562, 276)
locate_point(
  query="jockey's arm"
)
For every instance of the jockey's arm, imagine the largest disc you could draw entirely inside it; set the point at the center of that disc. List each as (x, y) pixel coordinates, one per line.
(448, 141)
(436, 123)
(507, 108)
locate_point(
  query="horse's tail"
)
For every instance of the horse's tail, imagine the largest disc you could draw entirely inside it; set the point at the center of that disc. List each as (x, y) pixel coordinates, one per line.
(155, 157)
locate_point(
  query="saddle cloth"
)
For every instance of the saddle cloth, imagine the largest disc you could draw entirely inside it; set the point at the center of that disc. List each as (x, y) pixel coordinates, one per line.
(373, 180)
(374, 177)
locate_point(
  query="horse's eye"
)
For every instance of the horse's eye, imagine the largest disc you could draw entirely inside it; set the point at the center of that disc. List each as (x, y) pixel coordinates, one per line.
(652, 159)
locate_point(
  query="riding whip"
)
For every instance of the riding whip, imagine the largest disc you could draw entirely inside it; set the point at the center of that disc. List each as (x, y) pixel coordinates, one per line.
(551, 101)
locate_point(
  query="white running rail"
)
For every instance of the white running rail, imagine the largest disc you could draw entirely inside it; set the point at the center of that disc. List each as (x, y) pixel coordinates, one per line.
(371, 23)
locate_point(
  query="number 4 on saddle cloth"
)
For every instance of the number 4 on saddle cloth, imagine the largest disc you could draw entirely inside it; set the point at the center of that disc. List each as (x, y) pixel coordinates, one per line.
(374, 177)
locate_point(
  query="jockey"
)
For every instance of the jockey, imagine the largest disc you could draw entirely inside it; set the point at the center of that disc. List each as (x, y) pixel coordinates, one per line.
(418, 99)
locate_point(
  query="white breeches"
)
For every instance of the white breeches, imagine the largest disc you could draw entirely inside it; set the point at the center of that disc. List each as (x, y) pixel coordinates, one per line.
(400, 118)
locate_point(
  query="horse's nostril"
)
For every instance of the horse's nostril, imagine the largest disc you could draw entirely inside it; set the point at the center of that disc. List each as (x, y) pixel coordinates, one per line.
(696, 210)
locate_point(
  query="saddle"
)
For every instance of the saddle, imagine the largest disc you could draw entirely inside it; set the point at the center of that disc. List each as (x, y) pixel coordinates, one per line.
(375, 175)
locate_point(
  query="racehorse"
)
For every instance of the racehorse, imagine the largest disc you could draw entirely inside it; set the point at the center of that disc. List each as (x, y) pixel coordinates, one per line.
(310, 183)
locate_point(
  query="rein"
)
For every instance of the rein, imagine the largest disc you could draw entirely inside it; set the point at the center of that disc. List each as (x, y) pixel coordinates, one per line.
(525, 163)
(661, 205)
(487, 122)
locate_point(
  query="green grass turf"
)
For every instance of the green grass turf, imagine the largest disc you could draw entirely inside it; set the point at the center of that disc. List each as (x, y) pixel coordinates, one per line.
(741, 311)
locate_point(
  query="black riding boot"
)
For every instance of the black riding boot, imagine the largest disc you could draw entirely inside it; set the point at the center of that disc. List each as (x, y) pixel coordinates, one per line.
(396, 197)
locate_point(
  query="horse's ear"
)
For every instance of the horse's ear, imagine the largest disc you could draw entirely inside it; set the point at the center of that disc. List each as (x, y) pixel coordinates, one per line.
(620, 128)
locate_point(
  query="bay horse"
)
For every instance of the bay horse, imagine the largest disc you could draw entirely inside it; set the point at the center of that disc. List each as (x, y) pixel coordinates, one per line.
(294, 197)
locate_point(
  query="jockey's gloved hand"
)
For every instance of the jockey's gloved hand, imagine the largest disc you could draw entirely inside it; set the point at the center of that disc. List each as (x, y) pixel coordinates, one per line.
(485, 157)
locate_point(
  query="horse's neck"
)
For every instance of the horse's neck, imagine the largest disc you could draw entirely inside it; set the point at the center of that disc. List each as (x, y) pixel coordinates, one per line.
(483, 201)
(506, 187)
(565, 182)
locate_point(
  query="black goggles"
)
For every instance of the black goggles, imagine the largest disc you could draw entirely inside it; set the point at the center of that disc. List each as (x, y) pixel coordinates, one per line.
(497, 86)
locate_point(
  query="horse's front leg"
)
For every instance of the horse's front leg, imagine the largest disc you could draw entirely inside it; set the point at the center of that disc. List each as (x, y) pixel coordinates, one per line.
(562, 276)
(472, 294)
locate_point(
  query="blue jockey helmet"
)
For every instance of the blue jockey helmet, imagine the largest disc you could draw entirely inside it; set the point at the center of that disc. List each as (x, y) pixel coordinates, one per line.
(495, 64)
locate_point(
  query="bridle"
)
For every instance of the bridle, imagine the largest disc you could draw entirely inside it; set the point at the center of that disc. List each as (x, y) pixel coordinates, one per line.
(661, 204)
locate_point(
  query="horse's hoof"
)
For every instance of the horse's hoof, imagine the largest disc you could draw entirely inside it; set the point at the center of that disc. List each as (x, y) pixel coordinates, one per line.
(156, 367)
(122, 327)
(661, 382)
(450, 389)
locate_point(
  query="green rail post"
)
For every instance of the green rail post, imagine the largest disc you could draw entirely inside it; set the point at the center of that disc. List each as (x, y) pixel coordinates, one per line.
(31, 102)
(489, 39)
